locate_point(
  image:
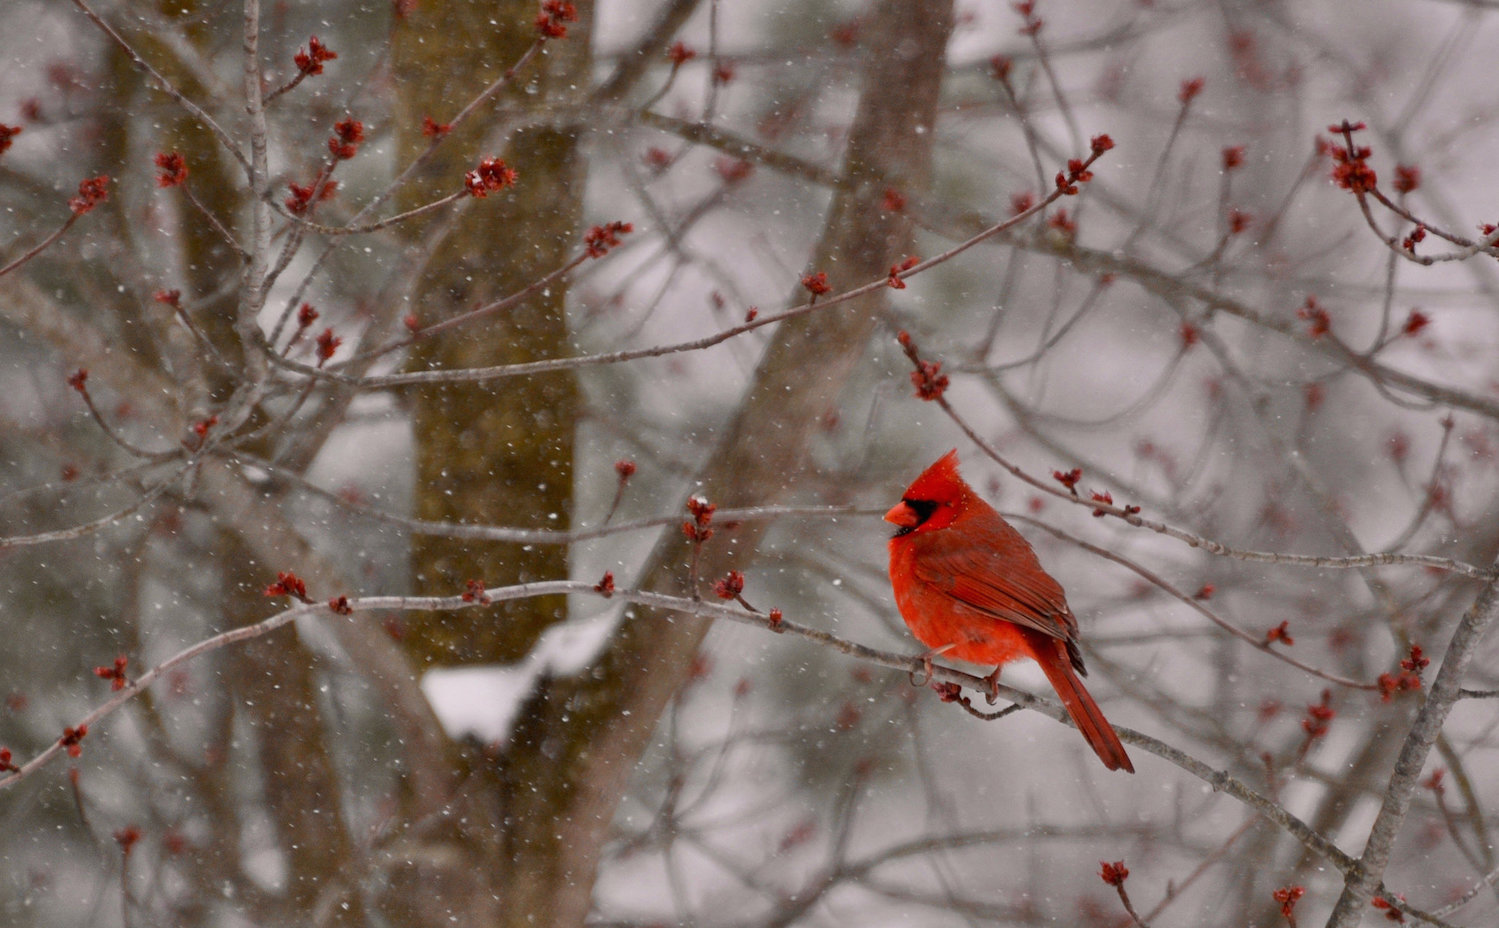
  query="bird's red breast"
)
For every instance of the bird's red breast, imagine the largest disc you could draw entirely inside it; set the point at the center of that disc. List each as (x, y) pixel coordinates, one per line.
(963, 577)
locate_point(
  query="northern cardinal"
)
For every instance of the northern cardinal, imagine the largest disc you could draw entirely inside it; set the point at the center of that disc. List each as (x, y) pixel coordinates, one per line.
(970, 587)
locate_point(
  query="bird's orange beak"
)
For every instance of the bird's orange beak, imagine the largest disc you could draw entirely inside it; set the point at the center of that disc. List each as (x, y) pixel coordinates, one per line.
(903, 515)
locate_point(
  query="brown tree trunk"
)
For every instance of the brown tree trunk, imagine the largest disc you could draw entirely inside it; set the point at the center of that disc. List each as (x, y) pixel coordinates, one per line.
(561, 799)
(488, 453)
(491, 453)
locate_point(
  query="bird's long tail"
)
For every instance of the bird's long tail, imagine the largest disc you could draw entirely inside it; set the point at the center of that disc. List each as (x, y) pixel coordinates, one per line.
(1080, 705)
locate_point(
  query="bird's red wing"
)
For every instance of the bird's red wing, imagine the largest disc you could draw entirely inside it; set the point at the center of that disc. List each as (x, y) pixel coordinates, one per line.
(985, 580)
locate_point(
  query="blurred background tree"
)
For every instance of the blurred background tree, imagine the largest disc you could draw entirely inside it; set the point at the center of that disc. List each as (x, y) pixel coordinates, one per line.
(289, 333)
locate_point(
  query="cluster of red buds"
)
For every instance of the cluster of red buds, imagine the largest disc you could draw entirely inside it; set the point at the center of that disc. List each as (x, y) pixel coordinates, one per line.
(1408, 680)
(698, 529)
(1319, 323)
(927, 378)
(1114, 874)
(173, 169)
(474, 592)
(605, 586)
(1319, 716)
(311, 61)
(600, 239)
(1351, 169)
(303, 197)
(91, 193)
(1288, 896)
(816, 284)
(114, 673)
(551, 22)
(895, 281)
(288, 584)
(491, 175)
(347, 135)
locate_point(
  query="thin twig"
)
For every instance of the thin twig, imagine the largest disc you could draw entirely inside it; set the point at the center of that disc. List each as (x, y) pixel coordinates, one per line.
(88, 528)
(1340, 562)
(1259, 642)
(486, 374)
(166, 86)
(41, 246)
(1362, 881)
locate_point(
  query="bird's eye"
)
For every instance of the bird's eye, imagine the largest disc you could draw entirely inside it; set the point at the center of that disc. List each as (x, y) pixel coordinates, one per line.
(923, 507)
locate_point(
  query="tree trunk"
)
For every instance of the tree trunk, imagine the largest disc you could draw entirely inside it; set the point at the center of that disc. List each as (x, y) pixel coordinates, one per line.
(488, 453)
(573, 751)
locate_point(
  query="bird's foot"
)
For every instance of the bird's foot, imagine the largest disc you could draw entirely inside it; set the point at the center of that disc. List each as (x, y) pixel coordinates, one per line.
(926, 665)
(993, 681)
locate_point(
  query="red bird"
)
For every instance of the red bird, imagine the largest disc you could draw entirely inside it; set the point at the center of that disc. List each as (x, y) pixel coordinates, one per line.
(970, 587)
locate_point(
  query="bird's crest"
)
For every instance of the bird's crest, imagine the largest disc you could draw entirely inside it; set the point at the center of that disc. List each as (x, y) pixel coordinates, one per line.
(939, 483)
